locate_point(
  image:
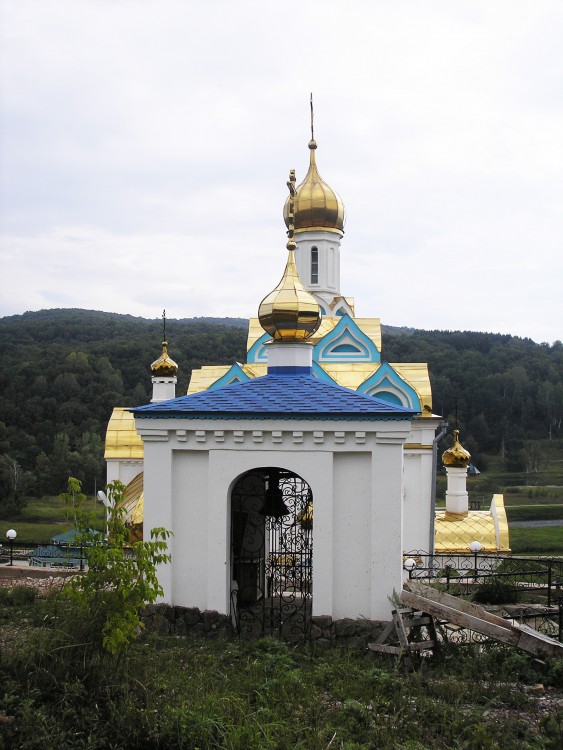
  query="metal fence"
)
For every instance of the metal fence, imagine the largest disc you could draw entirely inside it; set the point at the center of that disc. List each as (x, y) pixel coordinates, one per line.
(59, 556)
(463, 572)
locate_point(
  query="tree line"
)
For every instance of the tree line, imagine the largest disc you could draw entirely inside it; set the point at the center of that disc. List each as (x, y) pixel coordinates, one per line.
(63, 371)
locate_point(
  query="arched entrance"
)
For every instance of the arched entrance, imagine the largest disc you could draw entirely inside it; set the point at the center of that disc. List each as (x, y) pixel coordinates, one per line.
(271, 554)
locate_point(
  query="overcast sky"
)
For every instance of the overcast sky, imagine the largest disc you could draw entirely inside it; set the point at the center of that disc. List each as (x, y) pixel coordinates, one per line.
(146, 144)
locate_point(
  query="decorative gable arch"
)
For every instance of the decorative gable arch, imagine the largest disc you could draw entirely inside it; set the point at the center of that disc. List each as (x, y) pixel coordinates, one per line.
(387, 385)
(234, 375)
(341, 309)
(257, 354)
(346, 343)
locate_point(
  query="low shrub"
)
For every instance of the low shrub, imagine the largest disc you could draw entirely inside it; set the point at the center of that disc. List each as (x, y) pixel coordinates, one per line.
(18, 596)
(496, 590)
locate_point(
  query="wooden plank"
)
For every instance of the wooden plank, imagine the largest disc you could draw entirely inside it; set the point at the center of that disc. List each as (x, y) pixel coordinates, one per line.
(504, 634)
(399, 627)
(421, 645)
(453, 601)
(397, 650)
(501, 630)
(389, 628)
(416, 622)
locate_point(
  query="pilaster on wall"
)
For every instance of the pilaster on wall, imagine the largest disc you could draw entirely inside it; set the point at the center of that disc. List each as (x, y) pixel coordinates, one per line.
(386, 524)
(158, 503)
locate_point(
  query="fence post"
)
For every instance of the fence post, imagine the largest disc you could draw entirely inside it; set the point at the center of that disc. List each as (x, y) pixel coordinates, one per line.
(448, 572)
(549, 582)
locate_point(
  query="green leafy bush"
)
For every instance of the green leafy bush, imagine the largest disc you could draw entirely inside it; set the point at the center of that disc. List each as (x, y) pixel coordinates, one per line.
(495, 590)
(18, 596)
(121, 578)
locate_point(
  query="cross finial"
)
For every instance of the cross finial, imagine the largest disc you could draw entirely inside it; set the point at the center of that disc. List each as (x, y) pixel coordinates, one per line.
(164, 325)
(291, 212)
(312, 127)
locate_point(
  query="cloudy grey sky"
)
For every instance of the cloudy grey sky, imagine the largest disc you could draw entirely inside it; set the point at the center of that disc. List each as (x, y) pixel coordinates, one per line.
(145, 147)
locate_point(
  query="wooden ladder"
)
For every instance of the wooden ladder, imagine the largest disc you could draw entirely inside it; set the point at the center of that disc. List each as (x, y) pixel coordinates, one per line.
(409, 632)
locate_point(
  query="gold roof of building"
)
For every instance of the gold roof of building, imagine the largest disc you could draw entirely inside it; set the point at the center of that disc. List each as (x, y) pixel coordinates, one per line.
(456, 456)
(317, 205)
(456, 531)
(133, 500)
(371, 327)
(164, 366)
(205, 376)
(417, 376)
(122, 440)
(289, 312)
(133, 503)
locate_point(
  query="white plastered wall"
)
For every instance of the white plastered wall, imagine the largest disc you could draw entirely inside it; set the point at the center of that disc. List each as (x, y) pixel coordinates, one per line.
(417, 501)
(354, 469)
(328, 245)
(124, 470)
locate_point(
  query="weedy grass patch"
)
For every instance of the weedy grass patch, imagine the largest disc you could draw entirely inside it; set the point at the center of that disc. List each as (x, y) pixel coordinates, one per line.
(205, 693)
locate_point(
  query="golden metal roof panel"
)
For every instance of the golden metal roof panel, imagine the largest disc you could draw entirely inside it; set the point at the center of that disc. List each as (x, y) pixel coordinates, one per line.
(456, 531)
(133, 493)
(122, 440)
(202, 378)
(417, 376)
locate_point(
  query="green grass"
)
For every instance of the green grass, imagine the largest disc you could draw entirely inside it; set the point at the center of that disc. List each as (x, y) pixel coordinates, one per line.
(43, 518)
(266, 695)
(542, 541)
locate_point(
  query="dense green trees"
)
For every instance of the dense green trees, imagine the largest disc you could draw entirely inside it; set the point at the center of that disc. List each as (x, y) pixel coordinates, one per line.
(62, 373)
(64, 370)
(507, 389)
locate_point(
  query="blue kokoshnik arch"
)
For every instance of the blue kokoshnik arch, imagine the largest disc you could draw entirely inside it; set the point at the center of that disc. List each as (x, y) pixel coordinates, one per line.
(346, 343)
(387, 385)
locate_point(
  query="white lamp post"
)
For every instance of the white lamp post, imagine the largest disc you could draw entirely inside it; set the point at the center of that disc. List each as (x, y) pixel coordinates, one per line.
(11, 534)
(409, 565)
(475, 547)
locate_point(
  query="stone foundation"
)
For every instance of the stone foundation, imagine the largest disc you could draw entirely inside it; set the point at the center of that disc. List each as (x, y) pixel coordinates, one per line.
(349, 633)
(165, 619)
(186, 622)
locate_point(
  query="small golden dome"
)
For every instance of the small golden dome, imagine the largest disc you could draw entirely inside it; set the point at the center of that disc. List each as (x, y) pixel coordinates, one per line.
(290, 313)
(164, 366)
(456, 455)
(317, 206)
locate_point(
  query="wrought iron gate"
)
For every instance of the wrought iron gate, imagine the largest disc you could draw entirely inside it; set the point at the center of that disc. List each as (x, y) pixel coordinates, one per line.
(272, 554)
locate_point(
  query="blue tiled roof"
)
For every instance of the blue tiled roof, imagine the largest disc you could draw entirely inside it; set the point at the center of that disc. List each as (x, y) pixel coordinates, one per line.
(277, 396)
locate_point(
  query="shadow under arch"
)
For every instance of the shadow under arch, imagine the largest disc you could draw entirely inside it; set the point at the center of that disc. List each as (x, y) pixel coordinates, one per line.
(271, 554)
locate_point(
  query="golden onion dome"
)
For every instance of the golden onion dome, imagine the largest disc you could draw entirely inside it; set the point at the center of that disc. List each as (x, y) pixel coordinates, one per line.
(290, 313)
(456, 456)
(317, 205)
(164, 366)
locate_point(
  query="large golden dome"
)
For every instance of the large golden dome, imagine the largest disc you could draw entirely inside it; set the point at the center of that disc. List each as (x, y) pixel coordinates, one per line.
(164, 366)
(317, 205)
(290, 313)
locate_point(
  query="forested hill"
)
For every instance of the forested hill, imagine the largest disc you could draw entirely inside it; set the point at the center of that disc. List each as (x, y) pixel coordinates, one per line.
(62, 372)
